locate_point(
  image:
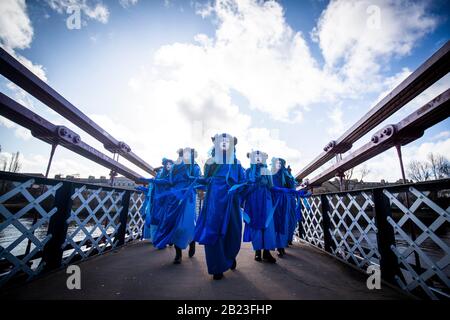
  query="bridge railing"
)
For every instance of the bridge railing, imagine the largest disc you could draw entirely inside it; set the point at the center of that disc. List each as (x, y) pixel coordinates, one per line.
(46, 224)
(404, 229)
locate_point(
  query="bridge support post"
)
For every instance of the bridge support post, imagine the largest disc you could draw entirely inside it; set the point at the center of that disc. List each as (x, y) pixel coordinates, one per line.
(385, 237)
(123, 218)
(326, 224)
(53, 250)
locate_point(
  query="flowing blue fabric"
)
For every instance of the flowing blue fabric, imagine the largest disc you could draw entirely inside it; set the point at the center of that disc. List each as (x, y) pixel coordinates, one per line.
(260, 209)
(153, 204)
(177, 222)
(219, 226)
(286, 213)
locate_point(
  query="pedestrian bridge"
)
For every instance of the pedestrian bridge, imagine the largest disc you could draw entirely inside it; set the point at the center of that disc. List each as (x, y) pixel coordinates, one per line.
(138, 271)
(402, 230)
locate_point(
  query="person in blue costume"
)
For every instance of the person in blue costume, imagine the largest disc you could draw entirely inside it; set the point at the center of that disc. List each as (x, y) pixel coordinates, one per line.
(285, 217)
(259, 208)
(152, 208)
(177, 223)
(219, 226)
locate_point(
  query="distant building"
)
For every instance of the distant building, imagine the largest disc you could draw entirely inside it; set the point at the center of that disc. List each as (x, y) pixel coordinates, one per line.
(38, 175)
(355, 184)
(124, 182)
(120, 182)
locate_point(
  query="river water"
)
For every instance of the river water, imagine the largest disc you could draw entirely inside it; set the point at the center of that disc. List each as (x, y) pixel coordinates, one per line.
(10, 234)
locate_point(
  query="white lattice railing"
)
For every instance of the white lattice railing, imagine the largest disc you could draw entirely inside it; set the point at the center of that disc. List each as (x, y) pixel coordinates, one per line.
(352, 225)
(312, 223)
(95, 222)
(135, 222)
(45, 223)
(422, 268)
(418, 217)
(21, 250)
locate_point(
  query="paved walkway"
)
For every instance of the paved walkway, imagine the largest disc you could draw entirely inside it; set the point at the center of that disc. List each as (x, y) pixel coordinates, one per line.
(139, 271)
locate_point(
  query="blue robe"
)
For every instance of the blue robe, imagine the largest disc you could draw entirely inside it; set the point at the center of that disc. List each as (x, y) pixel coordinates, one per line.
(285, 215)
(260, 230)
(177, 222)
(160, 185)
(219, 226)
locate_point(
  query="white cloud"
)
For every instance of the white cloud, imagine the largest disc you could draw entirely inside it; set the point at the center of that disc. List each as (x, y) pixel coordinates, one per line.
(22, 133)
(128, 3)
(184, 95)
(64, 162)
(257, 54)
(441, 135)
(337, 122)
(204, 9)
(16, 30)
(93, 9)
(19, 132)
(7, 123)
(357, 37)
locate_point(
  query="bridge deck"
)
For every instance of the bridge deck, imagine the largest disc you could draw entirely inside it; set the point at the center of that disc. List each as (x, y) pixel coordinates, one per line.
(139, 271)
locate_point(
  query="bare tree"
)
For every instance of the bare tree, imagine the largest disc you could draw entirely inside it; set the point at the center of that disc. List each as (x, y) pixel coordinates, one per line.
(363, 172)
(15, 165)
(347, 177)
(419, 171)
(439, 166)
(435, 167)
(11, 165)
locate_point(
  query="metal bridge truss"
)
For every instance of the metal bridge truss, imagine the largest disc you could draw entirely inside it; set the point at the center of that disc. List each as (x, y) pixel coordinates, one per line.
(17, 73)
(60, 135)
(436, 67)
(409, 129)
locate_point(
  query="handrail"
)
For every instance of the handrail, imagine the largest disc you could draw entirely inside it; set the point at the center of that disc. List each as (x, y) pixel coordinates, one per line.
(441, 184)
(409, 129)
(49, 133)
(20, 177)
(27, 80)
(433, 69)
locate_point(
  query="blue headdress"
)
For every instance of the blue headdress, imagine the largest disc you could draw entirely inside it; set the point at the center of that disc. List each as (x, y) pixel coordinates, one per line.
(284, 173)
(191, 159)
(164, 172)
(223, 157)
(220, 156)
(257, 169)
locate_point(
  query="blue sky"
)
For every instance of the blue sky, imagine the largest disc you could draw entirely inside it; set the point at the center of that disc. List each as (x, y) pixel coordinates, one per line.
(285, 77)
